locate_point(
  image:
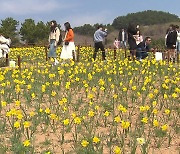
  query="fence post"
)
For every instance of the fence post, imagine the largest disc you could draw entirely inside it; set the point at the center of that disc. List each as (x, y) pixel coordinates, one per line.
(73, 54)
(7, 60)
(78, 53)
(19, 62)
(125, 52)
(46, 53)
(114, 53)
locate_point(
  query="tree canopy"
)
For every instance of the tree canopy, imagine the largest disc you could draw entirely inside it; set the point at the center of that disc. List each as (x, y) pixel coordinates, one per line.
(148, 17)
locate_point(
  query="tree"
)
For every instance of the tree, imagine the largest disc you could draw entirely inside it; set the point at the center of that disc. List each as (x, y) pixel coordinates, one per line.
(9, 29)
(41, 32)
(148, 17)
(28, 31)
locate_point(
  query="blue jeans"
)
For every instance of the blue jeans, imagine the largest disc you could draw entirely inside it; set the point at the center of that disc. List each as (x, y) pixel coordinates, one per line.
(52, 49)
(141, 54)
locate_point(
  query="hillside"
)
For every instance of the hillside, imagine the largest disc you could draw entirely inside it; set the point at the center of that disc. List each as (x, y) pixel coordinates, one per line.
(156, 31)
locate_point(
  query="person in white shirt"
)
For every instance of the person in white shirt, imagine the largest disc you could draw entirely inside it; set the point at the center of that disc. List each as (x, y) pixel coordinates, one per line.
(178, 39)
(53, 41)
(4, 46)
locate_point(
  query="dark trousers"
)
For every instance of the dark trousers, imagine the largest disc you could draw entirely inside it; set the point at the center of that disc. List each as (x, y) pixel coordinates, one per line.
(141, 54)
(97, 46)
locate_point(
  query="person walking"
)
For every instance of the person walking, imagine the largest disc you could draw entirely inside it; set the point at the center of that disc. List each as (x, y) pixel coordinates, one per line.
(53, 40)
(68, 44)
(99, 36)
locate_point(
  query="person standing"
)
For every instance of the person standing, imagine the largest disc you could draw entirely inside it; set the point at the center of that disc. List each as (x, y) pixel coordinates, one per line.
(4, 45)
(68, 44)
(53, 40)
(99, 36)
(178, 39)
(122, 37)
(171, 41)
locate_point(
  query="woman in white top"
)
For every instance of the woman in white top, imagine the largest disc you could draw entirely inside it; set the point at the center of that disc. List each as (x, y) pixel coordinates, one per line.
(53, 40)
(138, 37)
(4, 45)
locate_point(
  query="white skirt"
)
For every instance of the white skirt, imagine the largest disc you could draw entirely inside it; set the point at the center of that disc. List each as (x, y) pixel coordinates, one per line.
(67, 50)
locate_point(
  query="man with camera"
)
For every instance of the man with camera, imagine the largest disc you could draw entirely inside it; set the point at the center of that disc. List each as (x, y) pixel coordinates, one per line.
(99, 36)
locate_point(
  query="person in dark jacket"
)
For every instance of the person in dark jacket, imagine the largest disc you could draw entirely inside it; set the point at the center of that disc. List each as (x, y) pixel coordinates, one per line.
(143, 48)
(122, 38)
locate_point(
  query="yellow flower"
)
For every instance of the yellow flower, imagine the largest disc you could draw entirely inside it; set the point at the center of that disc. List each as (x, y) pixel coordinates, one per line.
(29, 86)
(117, 150)
(142, 108)
(96, 139)
(43, 88)
(96, 107)
(77, 120)
(66, 122)
(26, 124)
(40, 110)
(124, 89)
(167, 111)
(164, 127)
(174, 95)
(134, 88)
(91, 113)
(33, 95)
(84, 143)
(17, 103)
(117, 119)
(106, 114)
(115, 96)
(155, 111)
(53, 116)
(141, 141)
(19, 116)
(90, 96)
(151, 95)
(155, 123)
(154, 103)
(144, 120)
(47, 110)
(26, 143)
(53, 93)
(73, 115)
(165, 96)
(32, 114)
(3, 103)
(102, 88)
(64, 100)
(17, 124)
(125, 125)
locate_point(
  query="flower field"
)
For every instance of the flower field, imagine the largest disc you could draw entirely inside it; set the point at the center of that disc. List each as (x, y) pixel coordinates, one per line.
(89, 107)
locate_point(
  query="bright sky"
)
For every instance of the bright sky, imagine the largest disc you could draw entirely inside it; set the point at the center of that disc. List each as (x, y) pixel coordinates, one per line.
(80, 12)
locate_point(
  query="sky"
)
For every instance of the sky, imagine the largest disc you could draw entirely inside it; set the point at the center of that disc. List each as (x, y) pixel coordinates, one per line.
(80, 12)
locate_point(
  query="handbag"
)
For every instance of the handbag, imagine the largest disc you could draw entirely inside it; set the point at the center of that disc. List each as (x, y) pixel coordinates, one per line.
(66, 43)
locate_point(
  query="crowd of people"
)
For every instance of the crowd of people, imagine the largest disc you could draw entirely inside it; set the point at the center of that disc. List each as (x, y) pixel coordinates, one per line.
(138, 46)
